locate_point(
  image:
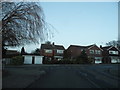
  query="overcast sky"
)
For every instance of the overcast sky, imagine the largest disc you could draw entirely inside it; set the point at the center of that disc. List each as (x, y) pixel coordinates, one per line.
(81, 23)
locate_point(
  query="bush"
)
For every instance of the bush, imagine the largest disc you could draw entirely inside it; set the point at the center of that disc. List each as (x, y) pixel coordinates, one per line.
(91, 60)
(83, 58)
(17, 60)
(64, 61)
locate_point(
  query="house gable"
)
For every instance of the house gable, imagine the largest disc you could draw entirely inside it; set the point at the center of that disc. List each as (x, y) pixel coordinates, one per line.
(94, 51)
(94, 47)
(75, 50)
(52, 50)
(113, 48)
(110, 51)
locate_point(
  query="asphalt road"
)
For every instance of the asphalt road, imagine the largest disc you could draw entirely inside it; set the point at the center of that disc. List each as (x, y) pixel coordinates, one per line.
(77, 76)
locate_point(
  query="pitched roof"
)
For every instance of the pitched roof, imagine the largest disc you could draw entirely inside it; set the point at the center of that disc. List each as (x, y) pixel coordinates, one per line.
(77, 46)
(109, 47)
(106, 47)
(84, 47)
(12, 52)
(59, 47)
(50, 46)
(80, 46)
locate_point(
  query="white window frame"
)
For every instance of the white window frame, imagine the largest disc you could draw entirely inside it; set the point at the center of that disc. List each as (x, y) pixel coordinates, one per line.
(97, 52)
(113, 52)
(60, 51)
(48, 51)
(91, 51)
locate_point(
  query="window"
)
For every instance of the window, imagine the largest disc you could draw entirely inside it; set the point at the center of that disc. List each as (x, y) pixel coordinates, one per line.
(113, 52)
(97, 51)
(60, 51)
(81, 50)
(48, 51)
(116, 52)
(91, 51)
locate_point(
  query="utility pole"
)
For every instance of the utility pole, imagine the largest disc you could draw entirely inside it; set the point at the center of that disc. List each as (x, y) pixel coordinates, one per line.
(119, 24)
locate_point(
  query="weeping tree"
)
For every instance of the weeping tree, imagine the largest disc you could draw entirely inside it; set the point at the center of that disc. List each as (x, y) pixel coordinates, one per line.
(23, 23)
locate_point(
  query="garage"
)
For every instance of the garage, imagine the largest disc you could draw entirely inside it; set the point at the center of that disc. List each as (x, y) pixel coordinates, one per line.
(115, 59)
(27, 59)
(38, 59)
(98, 60)
(32, 59)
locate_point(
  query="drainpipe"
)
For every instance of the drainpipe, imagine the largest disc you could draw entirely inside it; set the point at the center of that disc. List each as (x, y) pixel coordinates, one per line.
(53, 51)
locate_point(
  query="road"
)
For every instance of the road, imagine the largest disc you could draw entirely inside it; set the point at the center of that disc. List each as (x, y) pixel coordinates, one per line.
(76, 76)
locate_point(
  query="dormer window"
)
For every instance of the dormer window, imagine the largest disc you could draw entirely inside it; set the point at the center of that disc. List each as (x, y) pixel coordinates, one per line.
(113, 52)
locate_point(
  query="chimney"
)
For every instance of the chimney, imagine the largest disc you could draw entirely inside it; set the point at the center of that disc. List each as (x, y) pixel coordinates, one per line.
(53, 43)
(101, 46)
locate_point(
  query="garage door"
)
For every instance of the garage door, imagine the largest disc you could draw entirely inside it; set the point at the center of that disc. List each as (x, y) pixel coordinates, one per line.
(38, 59)
(98, 60)
(27, 59)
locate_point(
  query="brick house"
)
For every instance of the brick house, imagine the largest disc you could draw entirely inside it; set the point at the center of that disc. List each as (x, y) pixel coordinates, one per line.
(51, 51)
(93, 51)
(8, 56)
(11, 53)
(110, 54)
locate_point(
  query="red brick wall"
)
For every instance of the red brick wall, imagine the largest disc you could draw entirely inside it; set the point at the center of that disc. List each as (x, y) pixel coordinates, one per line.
(54, 53)
(42, 52)
(74, 51)
(94, 48)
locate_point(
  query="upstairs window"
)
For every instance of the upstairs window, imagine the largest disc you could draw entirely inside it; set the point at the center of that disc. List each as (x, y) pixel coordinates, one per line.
(60, 51)
(113, 52)
(91, 51)
(48, 51)
(82, 50)
(97, 52)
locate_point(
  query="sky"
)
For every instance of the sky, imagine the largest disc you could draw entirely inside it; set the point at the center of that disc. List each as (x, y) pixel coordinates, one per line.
(80, 23)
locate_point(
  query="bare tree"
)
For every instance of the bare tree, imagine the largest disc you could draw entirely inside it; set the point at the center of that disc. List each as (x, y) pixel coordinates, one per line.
(48, 42)
(22, 22)
(114, 43)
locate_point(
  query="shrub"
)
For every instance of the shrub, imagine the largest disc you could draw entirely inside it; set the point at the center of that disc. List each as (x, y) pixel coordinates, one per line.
(64, 61)
(17, 60)
(83, 58)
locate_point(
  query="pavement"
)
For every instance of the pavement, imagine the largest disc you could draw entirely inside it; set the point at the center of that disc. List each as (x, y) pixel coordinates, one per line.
(19, 77)
(0, 74)
(0, 79)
